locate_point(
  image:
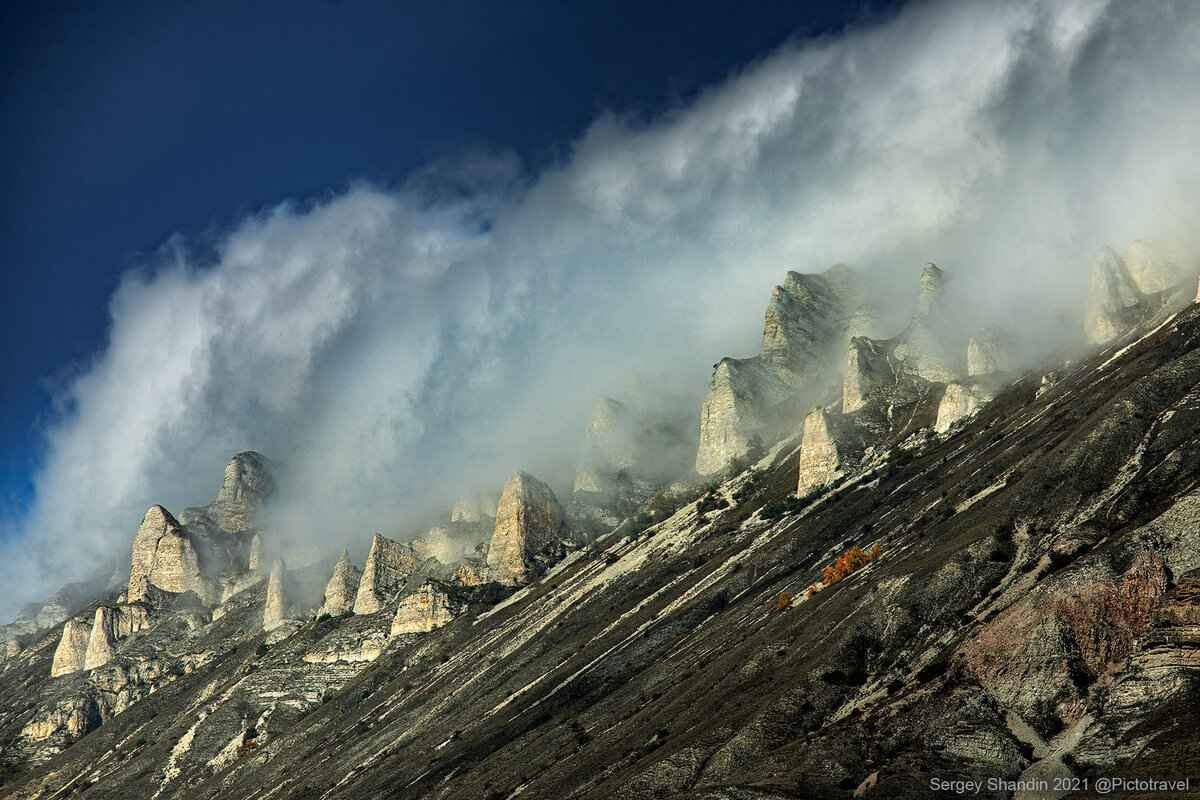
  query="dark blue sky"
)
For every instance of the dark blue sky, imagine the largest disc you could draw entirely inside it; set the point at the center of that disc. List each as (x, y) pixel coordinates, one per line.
(124, 123)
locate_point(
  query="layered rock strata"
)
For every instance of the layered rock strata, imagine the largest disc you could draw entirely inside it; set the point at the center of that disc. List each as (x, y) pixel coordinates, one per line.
(428, 608)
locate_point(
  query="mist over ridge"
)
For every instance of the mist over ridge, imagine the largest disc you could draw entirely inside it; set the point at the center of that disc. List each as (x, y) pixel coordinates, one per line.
(398, 347)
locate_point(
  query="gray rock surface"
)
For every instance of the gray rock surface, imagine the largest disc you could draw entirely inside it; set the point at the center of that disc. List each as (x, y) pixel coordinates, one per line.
(165, 556)
(1032, 610)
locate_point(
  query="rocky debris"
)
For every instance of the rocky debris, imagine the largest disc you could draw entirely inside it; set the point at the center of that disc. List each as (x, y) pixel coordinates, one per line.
(248, 482)
(110, 626)
(530, 527)
(275, 610)
(388, 567)
(1032, 606)
(430, 607)
(1063, 635)
(342, 587)
(71, 652)
(807, 323)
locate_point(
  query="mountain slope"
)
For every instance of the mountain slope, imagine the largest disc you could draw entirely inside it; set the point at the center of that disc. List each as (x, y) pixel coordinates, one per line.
(1034, 612)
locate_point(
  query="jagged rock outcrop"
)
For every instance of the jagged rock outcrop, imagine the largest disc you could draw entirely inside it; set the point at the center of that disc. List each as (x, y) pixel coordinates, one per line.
(164, 556)
(1152, 268)
(529, 522)
(960, 400)
(807, 323)
(275, 610)
(1114, 303)
(609, 445)
(928, 347)
(893, 387)
(248, 482)
(388, 567)
(71, 652)
(430, 607)
(112, 624)
(342, 587)
(868, 371)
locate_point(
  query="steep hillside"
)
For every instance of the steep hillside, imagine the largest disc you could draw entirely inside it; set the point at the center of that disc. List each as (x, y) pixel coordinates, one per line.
(1016, 597)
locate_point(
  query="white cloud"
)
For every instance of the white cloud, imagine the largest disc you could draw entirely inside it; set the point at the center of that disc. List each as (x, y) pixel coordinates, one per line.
(397, 348)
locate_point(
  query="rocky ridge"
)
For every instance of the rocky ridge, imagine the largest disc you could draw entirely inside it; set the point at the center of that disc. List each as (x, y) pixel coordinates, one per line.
(700, 647)
(807, 323)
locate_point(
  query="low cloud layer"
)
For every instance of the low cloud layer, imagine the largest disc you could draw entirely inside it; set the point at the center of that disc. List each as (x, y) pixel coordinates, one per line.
(399, 347)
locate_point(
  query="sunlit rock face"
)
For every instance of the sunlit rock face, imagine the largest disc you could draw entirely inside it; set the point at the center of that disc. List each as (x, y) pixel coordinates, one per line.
(529, 521)
(472, 572)
(820, 460)
(109, 627)
(254, 562)
(430, 607)
(807, 324)
(71, 652)
(164, 556)
(389, 564)
(342, 587)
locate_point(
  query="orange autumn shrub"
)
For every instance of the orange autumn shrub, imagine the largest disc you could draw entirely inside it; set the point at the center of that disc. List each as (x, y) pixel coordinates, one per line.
(853, 560)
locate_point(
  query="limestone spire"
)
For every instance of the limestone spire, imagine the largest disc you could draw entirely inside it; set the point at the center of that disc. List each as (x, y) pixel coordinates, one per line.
(342, 587)
(275, 611)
